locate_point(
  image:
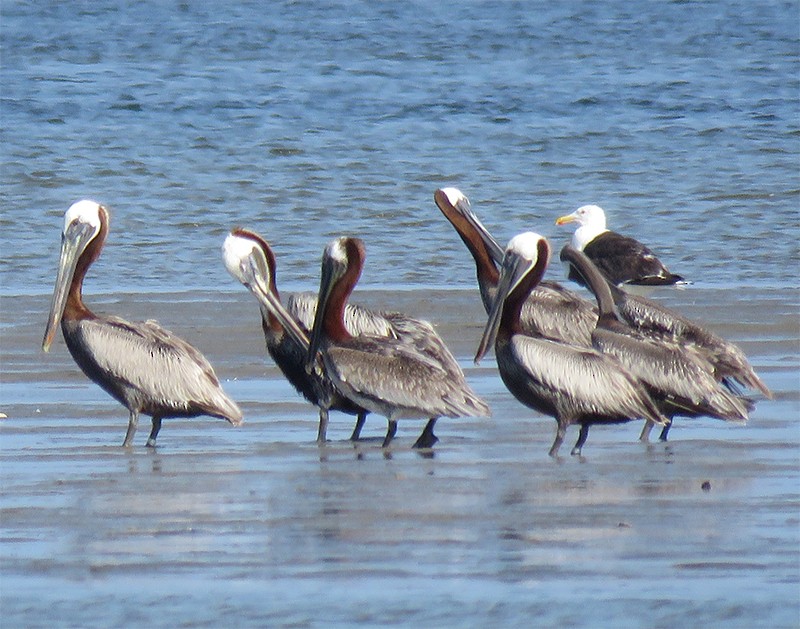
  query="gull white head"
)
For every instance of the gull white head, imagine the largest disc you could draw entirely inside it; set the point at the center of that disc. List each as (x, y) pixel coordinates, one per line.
(591, 220)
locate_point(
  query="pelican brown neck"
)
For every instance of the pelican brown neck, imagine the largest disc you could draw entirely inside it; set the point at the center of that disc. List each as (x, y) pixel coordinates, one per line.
(342, 288)
(342, 263)
(592, 278)
(512, 310)
(90, 253)
(522, 270)
(474, 236)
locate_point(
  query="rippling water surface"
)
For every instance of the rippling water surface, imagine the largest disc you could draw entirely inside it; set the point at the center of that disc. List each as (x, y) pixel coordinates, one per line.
(308, 120)
(305, 121)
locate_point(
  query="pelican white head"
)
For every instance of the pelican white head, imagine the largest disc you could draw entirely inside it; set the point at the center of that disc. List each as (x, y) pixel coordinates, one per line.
(85, 211)
(235, 251)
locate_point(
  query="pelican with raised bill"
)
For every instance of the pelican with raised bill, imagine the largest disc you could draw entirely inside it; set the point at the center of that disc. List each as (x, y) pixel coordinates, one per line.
(388, 376)
(551, 310)
(622, 259)
(144, 367)
(575, 385)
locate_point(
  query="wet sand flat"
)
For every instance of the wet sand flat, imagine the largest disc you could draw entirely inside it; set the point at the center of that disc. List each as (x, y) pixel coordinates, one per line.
(259, 526)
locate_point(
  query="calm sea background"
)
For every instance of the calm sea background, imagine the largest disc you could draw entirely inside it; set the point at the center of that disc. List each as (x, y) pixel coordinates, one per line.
(310, 120)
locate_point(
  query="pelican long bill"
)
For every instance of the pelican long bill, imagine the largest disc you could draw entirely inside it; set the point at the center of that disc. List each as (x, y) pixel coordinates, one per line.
(326, 283)
(74, 240)
(513, 268)
(256, 273)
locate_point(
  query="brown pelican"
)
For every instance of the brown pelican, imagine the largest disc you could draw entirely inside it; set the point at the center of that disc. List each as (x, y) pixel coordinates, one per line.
(623, 260)
(250, 260)
(388, 376)
(551, 311)
(677, 375)
(143, 366)
(576, 385)
(730, 363)
(731, 366)
(560, 314)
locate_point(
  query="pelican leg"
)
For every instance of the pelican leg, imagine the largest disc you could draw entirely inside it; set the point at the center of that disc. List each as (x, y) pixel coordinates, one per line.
(644, 437)
(390, 433)
(427, 439)
(582, 435)
(151, 440)
(665, 431)
(133, 420)
(322, 432)
(362, 417)
(560, 432)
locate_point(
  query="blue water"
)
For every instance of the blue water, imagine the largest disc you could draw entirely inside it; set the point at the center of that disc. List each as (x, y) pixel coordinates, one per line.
(309, 120)
(306, 121)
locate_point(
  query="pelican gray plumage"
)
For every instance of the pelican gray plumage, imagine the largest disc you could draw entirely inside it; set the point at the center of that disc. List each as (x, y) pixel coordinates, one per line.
(551, 311)
(143, 366)
(361, 321)
(575, 385)
(250, 259)
(388, 376)
(731, 366)
(622, 259)
(554, 312)
(678, 375)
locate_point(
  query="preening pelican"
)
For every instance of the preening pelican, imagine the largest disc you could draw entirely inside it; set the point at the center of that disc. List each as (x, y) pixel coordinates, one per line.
(249, 258)
(622, 259)
(551, 311)
(385, 375)
(575, 385)
(143, 366)
(677, 375)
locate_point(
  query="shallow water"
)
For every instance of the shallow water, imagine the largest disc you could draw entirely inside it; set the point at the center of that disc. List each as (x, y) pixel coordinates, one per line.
(306, 121)
(261, 525)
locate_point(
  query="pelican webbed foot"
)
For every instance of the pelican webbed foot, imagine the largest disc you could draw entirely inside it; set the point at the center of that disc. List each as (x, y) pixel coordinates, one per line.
(427, 439)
